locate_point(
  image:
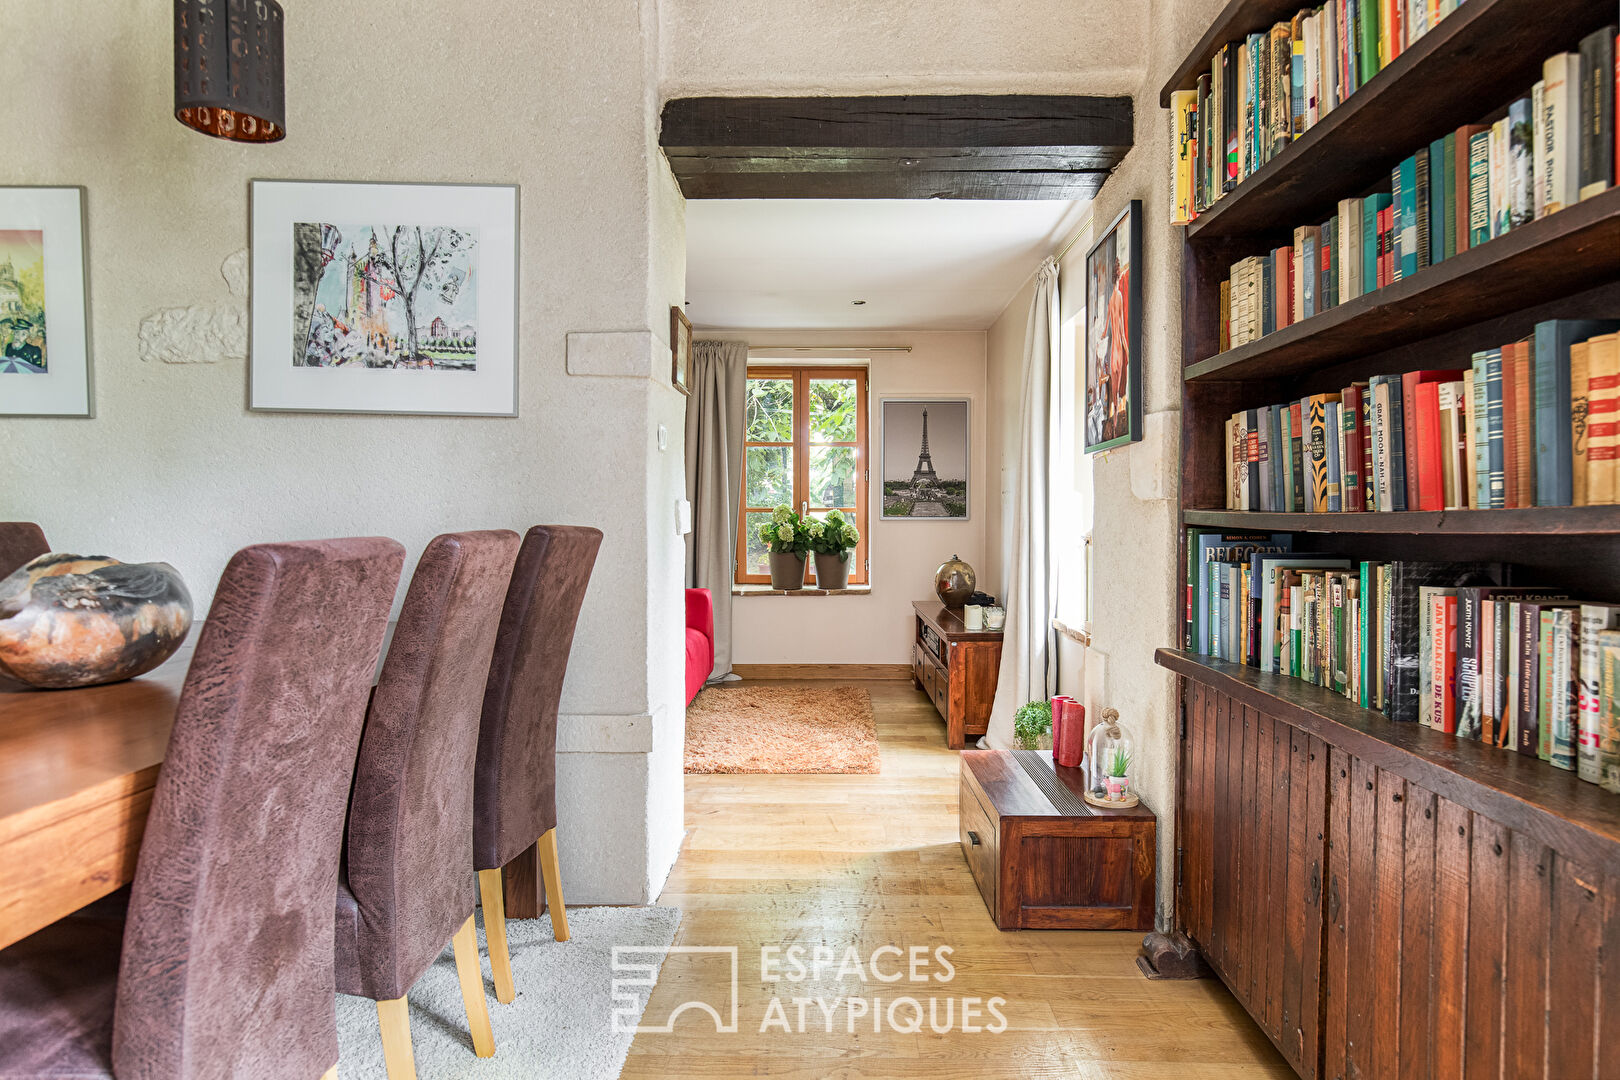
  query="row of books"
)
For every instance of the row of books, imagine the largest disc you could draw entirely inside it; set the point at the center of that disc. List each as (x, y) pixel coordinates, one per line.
(1552, 149)
(1533, 423)
(1272, 87)
(1446, 645)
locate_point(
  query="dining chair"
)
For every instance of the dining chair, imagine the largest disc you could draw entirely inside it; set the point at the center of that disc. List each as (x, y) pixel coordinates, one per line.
(226, 965)
(515, 796)
(21, 542)
(406, 886)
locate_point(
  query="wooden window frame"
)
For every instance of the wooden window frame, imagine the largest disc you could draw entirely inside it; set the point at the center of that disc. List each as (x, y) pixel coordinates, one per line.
(801, 376)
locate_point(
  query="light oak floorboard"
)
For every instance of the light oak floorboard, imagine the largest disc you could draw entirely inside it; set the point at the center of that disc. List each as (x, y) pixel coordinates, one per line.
(870, 861)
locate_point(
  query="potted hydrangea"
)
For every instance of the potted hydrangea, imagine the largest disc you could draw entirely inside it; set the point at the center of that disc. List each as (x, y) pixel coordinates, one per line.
(833, 538)
(787, 539)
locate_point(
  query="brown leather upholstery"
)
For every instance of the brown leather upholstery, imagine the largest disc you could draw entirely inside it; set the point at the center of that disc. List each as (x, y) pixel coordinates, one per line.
(226, 965)
(20, 542)
(408, 881)
(515, 798)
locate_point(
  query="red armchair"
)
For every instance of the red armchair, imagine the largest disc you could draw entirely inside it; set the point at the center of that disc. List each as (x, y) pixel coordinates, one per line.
(699, 640)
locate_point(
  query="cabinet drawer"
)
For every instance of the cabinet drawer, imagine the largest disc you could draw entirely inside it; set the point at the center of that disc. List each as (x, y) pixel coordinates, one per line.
(980, 843)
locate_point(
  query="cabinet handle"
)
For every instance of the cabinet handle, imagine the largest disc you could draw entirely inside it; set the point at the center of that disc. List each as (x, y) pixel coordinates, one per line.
(973, 838)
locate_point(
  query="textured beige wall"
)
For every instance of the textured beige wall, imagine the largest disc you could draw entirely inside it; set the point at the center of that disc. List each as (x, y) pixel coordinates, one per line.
(876, 629)
(561, 100)
(899, 46)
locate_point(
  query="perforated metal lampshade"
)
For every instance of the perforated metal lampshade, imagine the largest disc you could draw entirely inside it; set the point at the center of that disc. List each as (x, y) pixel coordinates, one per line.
(229, 69)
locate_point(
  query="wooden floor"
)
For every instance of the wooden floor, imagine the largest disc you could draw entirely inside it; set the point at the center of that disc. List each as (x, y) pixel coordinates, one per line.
(867, 861)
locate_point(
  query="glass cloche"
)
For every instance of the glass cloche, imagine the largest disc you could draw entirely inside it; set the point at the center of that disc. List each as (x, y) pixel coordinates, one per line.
(1112, 763)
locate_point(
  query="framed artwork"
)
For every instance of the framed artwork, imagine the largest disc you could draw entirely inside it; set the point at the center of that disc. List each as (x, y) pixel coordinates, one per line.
(44, 303)
(680, 347)
(393, 298)
(1113, 405)
(925, 459)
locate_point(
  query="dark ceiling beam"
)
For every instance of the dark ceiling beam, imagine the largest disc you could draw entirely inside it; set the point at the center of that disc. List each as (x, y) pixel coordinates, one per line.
(899, 147)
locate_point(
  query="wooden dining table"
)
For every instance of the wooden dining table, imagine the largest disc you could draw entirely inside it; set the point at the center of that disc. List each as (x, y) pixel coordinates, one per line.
(77, 769)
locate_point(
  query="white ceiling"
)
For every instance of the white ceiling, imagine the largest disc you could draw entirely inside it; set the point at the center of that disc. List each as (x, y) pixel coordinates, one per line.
(936, 264)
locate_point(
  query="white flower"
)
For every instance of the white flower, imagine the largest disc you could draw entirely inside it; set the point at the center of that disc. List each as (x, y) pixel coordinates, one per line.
(817, 528)
(852, 535)
(781, 514)
(784, 532)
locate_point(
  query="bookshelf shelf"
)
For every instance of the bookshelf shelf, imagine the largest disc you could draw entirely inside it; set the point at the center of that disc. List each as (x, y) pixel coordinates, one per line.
(1529, 521)
(1521, 792)
(1574, 249)
(1457, 71)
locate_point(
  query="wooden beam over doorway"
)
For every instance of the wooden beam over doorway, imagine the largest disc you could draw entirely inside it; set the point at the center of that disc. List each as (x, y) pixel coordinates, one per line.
(958, 146)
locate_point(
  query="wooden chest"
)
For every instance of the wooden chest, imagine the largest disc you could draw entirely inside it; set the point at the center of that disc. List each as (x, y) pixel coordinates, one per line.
(1045, 859)
(957, 669)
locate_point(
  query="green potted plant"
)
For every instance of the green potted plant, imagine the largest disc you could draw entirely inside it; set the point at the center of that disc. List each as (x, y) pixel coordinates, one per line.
(1032, 725)
(1117, 774)
(833, 538)
(787, 539)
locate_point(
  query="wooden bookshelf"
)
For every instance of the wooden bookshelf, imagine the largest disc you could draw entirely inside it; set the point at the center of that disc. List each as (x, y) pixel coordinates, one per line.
(1562, 253)
(1351, 879)
(1528, 522)
(1478, 59)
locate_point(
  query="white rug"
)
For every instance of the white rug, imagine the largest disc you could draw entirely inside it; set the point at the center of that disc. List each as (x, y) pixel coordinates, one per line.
(561, 1025)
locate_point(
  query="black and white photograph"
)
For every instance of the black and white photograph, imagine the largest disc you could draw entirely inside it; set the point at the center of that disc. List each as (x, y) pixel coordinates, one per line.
(925, 458)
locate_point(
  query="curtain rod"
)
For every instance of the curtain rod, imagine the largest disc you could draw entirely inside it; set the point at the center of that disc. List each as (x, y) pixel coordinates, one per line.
(829, 348)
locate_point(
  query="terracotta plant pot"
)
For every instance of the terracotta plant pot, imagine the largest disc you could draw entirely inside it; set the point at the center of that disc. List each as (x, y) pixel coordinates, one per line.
(787, 570)
(832, 572)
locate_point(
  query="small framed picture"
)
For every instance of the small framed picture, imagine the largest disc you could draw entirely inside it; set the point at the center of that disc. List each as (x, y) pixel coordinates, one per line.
(44, 303)
(390, 298)
(680, 348)
(1113, 405)
(925, 459)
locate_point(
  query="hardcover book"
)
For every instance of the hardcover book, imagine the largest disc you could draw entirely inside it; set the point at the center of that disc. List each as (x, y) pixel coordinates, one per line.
(1550, 347)
(1402, 623)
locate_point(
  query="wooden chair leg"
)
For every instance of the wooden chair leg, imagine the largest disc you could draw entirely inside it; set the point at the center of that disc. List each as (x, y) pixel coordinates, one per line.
(471, 974)
(394, 1018)
(330, 1074)
(553, 880)
(500, 958)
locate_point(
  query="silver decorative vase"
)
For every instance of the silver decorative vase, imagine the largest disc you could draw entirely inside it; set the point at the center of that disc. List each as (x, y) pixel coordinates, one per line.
(787, 570)
(953, 582)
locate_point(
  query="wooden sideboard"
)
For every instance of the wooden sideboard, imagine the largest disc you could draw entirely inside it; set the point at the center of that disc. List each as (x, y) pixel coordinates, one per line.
(956, 667)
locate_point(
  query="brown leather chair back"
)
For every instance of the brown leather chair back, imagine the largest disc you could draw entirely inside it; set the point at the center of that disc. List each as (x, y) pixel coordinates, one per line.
(21, 542)
(227, 954)
(409, 882)
(516, 792)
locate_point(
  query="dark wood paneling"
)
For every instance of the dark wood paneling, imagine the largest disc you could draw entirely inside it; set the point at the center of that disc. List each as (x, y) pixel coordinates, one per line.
(1576, 918)
(1416, 1042)
(963, 146)
(1336, 944)
(1576, 818)
(1450, 942)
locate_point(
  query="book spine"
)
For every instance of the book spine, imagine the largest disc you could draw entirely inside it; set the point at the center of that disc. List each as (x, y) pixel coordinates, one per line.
(1317, 426)
(1547, 676)
(1479, 188)
(1609, 713)
(1579, 406)
(1446, 650)
(1527, 673)
(1467, 664)
(1520, 149)
(1493, 430)
(1602, 419)
(1350, 457)
(1595, 618)
(1524, 436)
(1510, 435)
(1299, 439)
(1396, 423)
(1430, 489)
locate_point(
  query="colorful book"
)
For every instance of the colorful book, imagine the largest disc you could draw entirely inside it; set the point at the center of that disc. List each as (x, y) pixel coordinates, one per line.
(1550, 347)
(1603, 420)
(1596, 619)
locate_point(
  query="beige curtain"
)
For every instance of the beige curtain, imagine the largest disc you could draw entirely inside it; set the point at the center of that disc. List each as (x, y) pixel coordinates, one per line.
(714, 455)
(1029, 645)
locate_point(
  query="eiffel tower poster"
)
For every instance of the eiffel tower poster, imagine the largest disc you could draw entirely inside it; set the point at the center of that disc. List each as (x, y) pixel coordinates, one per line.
(925, 459)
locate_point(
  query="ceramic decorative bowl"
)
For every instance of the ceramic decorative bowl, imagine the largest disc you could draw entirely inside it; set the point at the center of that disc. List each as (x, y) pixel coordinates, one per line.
(76, 620)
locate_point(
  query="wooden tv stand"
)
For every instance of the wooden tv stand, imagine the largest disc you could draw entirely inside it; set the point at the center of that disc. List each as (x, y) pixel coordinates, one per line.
(956, 667)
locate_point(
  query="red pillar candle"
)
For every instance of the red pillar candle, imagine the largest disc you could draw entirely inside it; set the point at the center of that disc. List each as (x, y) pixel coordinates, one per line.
(1057, 719)
(1068, 750)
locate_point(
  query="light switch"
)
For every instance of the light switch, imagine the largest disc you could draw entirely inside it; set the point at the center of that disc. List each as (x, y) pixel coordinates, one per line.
(683, 517)
(663, 437)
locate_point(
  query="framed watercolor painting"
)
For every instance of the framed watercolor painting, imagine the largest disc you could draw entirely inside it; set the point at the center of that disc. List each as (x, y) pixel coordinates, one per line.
(925, 459)
(1113, 404)
(680, 348)
(44, 303)
(394, 298)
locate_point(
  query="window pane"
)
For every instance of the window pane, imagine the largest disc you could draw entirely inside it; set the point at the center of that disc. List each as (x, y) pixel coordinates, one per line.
(758, 563)
(832, 410)
(769, 410)
(832, 475)
(770, 476)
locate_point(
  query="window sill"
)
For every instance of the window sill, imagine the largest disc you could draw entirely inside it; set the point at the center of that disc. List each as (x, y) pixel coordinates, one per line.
(1082, 636)
(766, 590)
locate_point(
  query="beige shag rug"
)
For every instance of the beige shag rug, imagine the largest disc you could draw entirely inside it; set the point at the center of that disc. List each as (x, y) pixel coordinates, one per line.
(781, 729)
